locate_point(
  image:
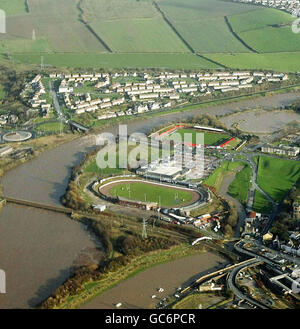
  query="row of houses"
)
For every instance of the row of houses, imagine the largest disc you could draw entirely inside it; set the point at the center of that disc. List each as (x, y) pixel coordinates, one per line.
(8, 119)
(151, 91)
(292, 138)
(95, 105)
(34, 95)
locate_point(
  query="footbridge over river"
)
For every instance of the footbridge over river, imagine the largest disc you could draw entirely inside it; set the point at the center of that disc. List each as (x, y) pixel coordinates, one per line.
(38, 205)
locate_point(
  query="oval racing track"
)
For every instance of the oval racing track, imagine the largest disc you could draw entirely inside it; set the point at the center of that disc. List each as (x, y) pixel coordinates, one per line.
(106, 189)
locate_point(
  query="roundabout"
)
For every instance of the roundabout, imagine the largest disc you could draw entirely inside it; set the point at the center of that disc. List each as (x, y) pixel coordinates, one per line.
(17, 136)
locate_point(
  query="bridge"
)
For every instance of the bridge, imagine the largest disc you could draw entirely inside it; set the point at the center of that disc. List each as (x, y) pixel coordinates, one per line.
(38, 205)
(231, 282)
(78, 126)
(218, 272)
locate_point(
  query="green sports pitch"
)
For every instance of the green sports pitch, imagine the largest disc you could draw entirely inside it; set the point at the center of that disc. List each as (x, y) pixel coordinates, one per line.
(210, 138)
(165, 196)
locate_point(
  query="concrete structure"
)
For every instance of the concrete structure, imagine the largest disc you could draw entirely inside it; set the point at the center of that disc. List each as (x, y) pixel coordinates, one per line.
(161, 172)
(5, 150)
(17, 136)
(281, 150)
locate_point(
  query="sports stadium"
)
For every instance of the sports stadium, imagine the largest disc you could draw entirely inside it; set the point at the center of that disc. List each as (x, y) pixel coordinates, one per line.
(213, 137)
(150, 195)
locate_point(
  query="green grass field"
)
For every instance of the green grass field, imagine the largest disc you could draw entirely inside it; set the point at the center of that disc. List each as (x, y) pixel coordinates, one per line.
(216, 178)
(139, 37)
(266, 30)
(56, 23)
(201, 23)
(257, 19)
(210, 35)
(114, 61)
(117, 9)
(272, 39)
(138, 191)
(282, 62)
(49, 127)
(240, 186)
(131, 26)
(13, 7)
(277, 176)
(209, 138)
(146, 153)
(261, 204)
(92, 167)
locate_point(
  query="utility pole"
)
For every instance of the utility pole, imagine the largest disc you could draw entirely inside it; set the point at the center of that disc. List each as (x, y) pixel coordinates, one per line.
(61, 126)
(158, 210)
(42, 63)
(33, 35)
(144, 230)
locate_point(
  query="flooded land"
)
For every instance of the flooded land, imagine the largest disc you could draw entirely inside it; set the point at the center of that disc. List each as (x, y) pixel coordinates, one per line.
(260, 121)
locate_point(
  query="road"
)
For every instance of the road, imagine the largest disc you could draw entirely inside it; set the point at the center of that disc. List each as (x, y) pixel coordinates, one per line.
(56, 103)
(231, 281)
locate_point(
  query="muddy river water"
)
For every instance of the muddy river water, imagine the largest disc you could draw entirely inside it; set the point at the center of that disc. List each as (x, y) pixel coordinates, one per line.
(38, 247)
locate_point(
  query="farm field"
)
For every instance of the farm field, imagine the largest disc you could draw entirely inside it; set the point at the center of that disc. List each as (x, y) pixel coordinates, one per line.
(202, 23)
(13, 7)
(131, 26)
(272, 39)
(56, 22)
(283, 62)
(257, 19)
(115, 61)
(138, 191)
(209, 138)
(137, 34)
(276, 176)
(210, 35)
(266, 30)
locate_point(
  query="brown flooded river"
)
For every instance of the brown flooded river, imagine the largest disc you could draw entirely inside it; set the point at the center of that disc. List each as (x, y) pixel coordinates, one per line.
(137, 291)
(38, 247)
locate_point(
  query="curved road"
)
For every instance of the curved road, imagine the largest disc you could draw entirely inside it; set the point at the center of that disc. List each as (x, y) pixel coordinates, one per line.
(36, 249)
(232, 285)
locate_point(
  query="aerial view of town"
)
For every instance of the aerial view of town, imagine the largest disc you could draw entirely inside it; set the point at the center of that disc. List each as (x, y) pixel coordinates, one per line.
(150, 156)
